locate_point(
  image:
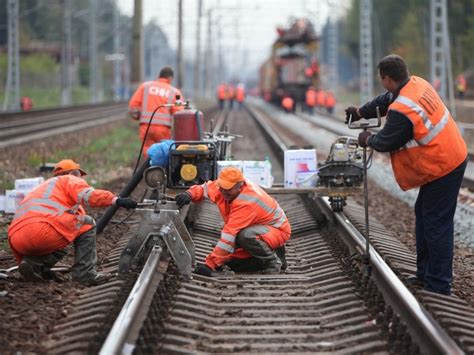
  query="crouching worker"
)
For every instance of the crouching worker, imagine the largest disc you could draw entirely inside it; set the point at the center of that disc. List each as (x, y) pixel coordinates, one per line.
(255, 230)
(51, 217)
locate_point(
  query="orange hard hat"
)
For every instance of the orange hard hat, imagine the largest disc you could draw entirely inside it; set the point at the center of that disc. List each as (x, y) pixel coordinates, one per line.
(65, 166)
(229, 176)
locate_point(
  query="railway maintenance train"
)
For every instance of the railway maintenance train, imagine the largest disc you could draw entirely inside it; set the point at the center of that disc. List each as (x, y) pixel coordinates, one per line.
(292, 66)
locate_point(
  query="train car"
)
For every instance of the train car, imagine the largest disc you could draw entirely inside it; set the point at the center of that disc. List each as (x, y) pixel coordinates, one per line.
(292, 66)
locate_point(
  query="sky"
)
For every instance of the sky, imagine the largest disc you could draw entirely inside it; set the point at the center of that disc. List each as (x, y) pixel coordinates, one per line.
(248, 26)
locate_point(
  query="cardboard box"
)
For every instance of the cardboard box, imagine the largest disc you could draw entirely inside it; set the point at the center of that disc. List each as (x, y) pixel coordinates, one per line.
(221, 164)
(298, 161)
(259, 172)
(28, 184)
(13, 199)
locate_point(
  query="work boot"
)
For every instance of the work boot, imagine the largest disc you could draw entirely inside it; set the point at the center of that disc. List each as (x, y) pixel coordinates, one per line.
(272, 267)
(281, 253)
(30, 272)
(97, 279)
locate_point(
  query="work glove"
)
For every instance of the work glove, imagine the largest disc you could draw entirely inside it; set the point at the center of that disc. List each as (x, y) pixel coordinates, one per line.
(352, 111)
(183, 199)
(363, 138)
(126, 202)
(203, 269)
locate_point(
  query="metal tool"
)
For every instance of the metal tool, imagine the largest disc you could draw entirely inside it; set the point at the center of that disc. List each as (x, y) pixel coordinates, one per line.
(365, 125)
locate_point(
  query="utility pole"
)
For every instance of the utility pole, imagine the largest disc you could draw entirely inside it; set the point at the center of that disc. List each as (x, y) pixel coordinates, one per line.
(441, 75)
(365, 52)
(333, 53)
(179, 55)
(137, 46)
(197, 60)
(117, 62)
(66, 54)
(12, 90)
(93, 55)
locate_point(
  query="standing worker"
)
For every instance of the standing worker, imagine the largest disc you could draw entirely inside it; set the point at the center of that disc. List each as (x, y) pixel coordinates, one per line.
(255, 225)
(149, 96)
(426, 151)
(461, 85)
(240, 95)
(221, 95)
(330, 102)
(288, 103)
(310, 99)
(51, 217)
(231, 95)
(26, 103)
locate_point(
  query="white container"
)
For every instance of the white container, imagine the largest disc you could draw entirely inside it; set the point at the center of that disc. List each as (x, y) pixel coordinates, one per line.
(298, 161)
(259, 172)
(340, 152)
(3, 201)
(307, 179)
(13, 199)
(28, 184)
(221, 164)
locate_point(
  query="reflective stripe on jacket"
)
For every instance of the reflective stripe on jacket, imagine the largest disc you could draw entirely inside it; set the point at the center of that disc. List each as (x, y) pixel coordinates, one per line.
(437, 146)
(251, 207)
(152, 94)
(59, 202)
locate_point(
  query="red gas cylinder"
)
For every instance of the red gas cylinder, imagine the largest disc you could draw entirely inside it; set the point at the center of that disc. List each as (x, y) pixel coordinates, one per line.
(188, 125)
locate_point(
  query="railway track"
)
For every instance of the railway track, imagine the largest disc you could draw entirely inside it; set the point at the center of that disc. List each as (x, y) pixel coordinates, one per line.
(23, 127)
(325, 301)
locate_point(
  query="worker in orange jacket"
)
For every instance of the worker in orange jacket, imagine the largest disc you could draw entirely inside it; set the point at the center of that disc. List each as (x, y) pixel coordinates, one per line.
(230, 95)
(461, 85)
(255, 225)
(221, 95)
(51, 217)
(427, 152)
(310, 99)
(330, 102)
(240, 95)
(288, 104)
(26, 103)
(149, 96)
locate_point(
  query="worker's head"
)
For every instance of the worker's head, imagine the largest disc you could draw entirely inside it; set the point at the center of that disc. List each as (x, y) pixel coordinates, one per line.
(68, 167)
(392, 72)
(166, 73)
(230, 182)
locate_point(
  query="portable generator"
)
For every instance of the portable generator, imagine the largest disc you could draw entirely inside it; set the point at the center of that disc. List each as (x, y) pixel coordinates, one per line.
(191, 163)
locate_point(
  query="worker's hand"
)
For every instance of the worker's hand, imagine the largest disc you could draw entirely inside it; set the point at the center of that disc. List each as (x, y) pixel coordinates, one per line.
(363, 138)
(354, 112)
(126, 202)
(183, 199)
(203, 269)
(135, 114)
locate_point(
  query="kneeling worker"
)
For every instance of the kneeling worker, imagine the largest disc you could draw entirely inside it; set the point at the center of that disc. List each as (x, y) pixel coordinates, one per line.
(255, 225)
(51, 217)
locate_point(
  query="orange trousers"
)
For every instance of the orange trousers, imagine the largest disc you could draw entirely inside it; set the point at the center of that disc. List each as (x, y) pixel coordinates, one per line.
(156, 134)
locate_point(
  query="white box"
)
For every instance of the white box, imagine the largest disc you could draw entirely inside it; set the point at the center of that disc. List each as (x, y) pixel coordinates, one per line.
(259, 172)
(298, 161)
(3, 201)
(28, 184)
(13, 199)
(221, 164)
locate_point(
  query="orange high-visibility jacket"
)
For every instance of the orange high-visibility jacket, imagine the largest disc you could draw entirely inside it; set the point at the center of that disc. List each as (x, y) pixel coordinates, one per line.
(287, 103)
(321, 98)
(252, 206)
(310, 97)
(222, 92)
(152, 94)
(330, 100)
(59, 202)
(240, 94)
(437, 146)
(230, 92)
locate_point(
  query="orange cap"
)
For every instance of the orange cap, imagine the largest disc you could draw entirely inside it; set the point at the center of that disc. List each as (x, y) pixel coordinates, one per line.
(229, 177)
(65, 166)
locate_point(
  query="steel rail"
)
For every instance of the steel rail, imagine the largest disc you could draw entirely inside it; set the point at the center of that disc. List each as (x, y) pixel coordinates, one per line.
(425, 330)
(124, 332)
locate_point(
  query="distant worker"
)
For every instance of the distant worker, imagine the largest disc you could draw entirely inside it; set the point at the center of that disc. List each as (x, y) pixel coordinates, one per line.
(461, 86)
(255, 226)
(310, 100)
(230, 95)
(149, 96)
(51, 217)
(330, 102)
(26, 104)
(427, 151)
(288, 104)
(321, 99)
(221, 95)
(240, 95)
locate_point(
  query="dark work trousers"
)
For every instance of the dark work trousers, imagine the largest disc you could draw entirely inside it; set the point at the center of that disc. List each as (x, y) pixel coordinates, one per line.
(434, 211)
(85, 257)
